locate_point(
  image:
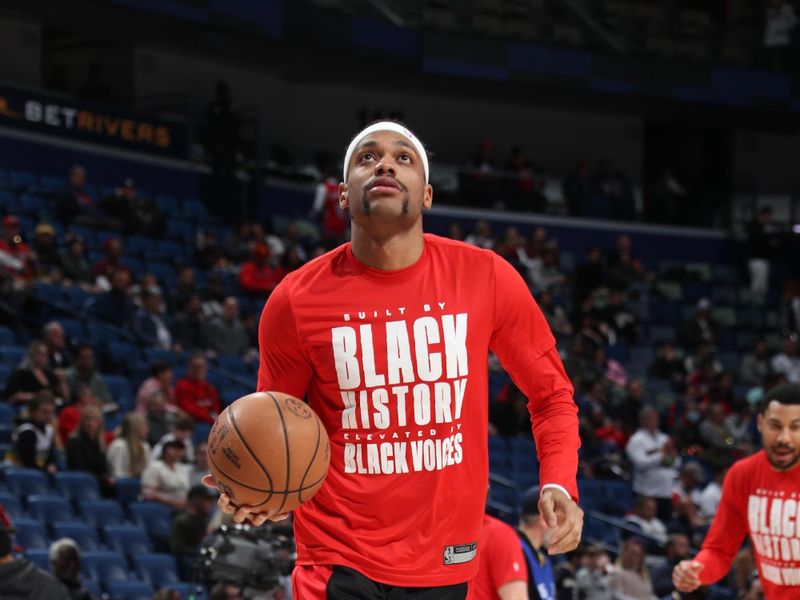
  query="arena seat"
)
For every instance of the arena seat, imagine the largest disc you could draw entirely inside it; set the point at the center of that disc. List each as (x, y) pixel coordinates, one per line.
(30, 533)
(104, 566)
(6, 433)
(84, 535)
(129, 540)
(40, 557)
(12, 355)
(157, 569)
(130, 590)
(77, 485)
(27, 482)
(128, 489)
(120, 389)
(12, 505)
(100, 513)
(155, 518)
(619, 497)
(50, 509)
(7, 337)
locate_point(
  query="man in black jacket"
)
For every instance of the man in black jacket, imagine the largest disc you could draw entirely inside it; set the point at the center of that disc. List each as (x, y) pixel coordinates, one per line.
(65, 562)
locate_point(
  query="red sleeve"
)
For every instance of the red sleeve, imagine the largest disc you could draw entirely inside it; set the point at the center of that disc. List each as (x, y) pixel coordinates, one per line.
(284, 366)
(526, 348)
(727, 531)
(185, 399)
(250, 281)
(504, 558)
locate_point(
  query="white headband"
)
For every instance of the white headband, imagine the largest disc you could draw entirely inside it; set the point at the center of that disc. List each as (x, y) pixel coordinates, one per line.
(386, 126)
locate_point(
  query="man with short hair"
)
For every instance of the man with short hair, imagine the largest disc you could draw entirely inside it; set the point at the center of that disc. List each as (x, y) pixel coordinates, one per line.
(645, 517)
(65, 563)
(181, 429)
(84, 374)
(226, 334)
(189, 528)
(759, 499)
(534, 536)
(148, 323)
(57, 348)
(501, 572)
(677, 549)
(194, 395)
(34, 440)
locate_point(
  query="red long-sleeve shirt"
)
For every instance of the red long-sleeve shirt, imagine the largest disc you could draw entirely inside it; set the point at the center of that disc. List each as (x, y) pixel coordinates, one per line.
(395, 365)
(762, 502)
(257, 278)
(199, 399)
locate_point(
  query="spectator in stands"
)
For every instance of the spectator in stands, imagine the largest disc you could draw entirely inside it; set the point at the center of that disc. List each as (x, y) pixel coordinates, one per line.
(481, 236)
(11, 241)
(719, 440)
(139, 215)
(181, 429)
(159, 384)
(195, 396)
(334, 220)
(116, 306)
(158, 419)
(655, 461)
(59, 355)
(149, 325)
(226, 334)
(787, 362)
(65, 563)
(577, 187)
(34, 375)
(74, 266)
(534, 535)
(225, 590)
(645, 517)
(588, 276)
(129, 454)
(19, 577)
(626, 409)
(75, 205)
(293, 240)
(755, 365)
(189, 327)
(669, 365)
(779, 23)
(592, 581)
(208, 253)
(86, 449)
(189, 528)
(34, 442)
(701, 329)
(184, 288)
(677, 549)
(566, 571)
(544, 274)
(290, 261)
(256, 276)
(84, 374)
(111, 262)
(166, 480)
(147, 281)
(684, 499)
(214, 296)
(555, 314)
(631, 578)
(70, 415)
(620, 318)
(44, 261)
(763, 245)
(240, 241)
(708, 499)
(200, 467)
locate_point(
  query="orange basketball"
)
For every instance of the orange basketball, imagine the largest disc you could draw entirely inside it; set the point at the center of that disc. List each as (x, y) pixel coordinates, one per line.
(270, 451)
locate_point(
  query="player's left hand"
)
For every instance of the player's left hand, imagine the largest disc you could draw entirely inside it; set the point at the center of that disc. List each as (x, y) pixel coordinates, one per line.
(562, 514)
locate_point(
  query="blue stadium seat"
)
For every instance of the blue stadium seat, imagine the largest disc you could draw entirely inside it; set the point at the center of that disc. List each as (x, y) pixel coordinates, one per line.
(153, 355)
(101, 334)
(619, 497)
(30, 533)
(164, 272)
(50, 509)
(73, 329)
(77, 485)
(157, 569)
(12, 505)
(121, 391)
(123, 354)
(180, 229)
(234, 364)
(167, 204)
(23, 180)
(129, 540)
(130, 590)
(128, 489)
(6, 432)
(193, 208)
(84, 535)
(27, 482)
(77, 298)
(40, 557)
(12, 355)
(49, 292)
(7, 337)
(105, 567)
(200, 434)
(139, 245)
(4, 449)
(100, 513)
(155, 518)
(52, 183)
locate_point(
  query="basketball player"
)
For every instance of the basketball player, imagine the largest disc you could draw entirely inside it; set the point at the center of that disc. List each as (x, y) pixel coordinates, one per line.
(388, 337)
(760, 497)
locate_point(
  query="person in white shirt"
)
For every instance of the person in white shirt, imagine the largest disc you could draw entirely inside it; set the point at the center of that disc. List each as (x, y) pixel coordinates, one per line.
(167, 480)
(128, 455)
(787, 363)
(778, 25)
(644, 516)
(655, 462)
(708, 499)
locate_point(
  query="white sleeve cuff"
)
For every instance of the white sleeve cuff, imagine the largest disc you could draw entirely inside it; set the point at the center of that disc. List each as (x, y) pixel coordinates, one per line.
(556, 487)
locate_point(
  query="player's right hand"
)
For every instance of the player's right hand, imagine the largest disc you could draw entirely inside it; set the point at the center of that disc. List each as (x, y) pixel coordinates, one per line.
(686, 575)
(243, 513)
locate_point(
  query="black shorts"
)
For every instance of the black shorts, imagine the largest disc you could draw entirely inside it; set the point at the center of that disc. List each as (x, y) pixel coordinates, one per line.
(343, 583)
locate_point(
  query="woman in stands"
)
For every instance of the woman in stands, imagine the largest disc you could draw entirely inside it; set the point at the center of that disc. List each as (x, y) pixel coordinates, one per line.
(33, 376)
(129, 454)
(86, 449)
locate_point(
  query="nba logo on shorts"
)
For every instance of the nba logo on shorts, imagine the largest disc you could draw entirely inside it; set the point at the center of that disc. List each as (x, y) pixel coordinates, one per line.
(448, 555)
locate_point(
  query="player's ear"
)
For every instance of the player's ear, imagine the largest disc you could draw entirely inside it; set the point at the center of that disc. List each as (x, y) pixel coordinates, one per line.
(760, 423)
(343, 202)
(427, 198)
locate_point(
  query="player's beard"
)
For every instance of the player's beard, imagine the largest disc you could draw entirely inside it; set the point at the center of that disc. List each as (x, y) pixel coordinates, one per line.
(367, 209)
(781, 466)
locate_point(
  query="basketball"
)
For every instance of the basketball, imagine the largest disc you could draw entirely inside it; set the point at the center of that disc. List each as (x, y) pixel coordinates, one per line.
(268, 451)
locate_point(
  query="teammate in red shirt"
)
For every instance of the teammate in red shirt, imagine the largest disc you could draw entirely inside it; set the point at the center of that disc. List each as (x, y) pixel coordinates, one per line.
(388, 338)
(502, 574)
(760, 497)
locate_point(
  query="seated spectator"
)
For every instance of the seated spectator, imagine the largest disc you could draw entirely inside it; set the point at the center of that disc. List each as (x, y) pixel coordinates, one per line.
(19, 577)
(718, 439)
(214, 296)
(65, 564)
(787, 362)
(115, 306)
(33, 376)
(76, 205)
(227, 590)
(592, 581)
(129, 454)
(59, 355)
(626, 409)
(631, 578)
(12, 242)
(544, 273)
(158, 419)
(34, 441)
(677, 549)
(181, 429)
(645, 517)
(755, 365)
(200, 467)
(45, 263)
(481, 236)
(605, 429)
(588, 276)
(74, 266)
(238, 244)
(684, 499)
(109, 264)
(160, 383)
(183, 290)
(195, 396)
(189, 528)
(700, 329)
(70, 415)
(555, 314)
(226, 334)
(149, 282)
(708, 499)
(577, 187)
(166, 480)
(139, 215)
(620, 318)
(148, 323)
(189, 327)
(84, 374)
(669, 365)
(86, 449)
(290, 261)
(256, 276)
